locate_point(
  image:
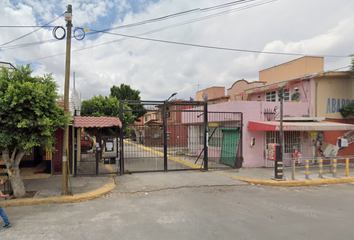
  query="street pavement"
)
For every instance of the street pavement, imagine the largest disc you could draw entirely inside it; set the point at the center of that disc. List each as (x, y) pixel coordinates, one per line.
(49, 189)
(189, 205)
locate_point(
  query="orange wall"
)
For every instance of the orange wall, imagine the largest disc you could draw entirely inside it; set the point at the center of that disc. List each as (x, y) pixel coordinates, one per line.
(213, 92)
(292, 69)
(332, 137)
(240, 86)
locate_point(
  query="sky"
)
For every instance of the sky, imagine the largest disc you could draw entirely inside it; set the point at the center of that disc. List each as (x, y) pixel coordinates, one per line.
(160, 47)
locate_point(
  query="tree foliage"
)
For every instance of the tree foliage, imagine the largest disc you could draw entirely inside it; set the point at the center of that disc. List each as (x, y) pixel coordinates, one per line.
(104, 106)
(125, 92)
(348, 110)
(29, 117)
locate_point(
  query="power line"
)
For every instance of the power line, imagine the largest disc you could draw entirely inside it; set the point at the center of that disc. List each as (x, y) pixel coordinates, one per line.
(32, 31)
(198, 45)
(143, 22)
(221, 48)
(181, 14)
(16, 26)
(156, 30)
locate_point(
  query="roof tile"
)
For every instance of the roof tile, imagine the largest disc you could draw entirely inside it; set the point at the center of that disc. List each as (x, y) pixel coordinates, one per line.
(95, 122)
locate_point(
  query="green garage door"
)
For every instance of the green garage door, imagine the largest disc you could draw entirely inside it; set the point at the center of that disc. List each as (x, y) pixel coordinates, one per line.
(230, 140)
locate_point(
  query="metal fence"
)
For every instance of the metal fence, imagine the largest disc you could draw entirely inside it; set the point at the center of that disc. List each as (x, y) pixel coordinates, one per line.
(166, 136)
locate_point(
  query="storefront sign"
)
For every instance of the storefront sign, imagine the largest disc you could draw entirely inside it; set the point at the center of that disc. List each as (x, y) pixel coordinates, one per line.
(333, 104)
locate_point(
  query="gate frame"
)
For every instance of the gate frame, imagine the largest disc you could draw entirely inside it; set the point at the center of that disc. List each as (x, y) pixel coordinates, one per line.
(238, 158)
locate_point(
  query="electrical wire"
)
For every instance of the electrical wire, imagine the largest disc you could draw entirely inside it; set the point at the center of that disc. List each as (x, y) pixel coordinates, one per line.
(181, 13)
(153, 20)
(196, 45)
(46, 25)
(54, 32)
(160, 29)
(223, 48)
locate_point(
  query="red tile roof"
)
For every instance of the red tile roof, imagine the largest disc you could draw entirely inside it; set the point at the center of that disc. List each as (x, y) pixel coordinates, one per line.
(92, 122)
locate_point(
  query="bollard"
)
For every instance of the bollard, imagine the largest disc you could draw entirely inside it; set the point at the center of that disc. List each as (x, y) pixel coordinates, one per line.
(293, 169)
(347, 167)
(320, 168)
(278, 165)
(334, 168)
(307, 169)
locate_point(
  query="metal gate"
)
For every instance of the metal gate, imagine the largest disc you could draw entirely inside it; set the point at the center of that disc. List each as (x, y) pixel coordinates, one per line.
(169, 136)
(162, 136)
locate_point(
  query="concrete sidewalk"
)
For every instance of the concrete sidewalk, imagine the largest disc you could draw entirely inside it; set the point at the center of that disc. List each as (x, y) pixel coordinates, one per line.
(48, 190)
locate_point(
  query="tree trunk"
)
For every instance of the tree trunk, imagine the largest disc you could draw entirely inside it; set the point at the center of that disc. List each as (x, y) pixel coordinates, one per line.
(13, 170)
(17, 183)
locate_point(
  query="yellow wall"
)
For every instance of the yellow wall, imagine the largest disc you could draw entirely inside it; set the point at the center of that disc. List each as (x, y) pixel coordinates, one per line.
(292, 69)
(333, 92)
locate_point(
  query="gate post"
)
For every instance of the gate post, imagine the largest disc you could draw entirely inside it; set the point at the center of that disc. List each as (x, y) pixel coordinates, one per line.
(164, 112)
(206, 136)
(121, 152)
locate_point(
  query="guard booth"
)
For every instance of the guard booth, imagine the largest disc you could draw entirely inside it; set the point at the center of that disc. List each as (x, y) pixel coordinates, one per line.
(103, 157)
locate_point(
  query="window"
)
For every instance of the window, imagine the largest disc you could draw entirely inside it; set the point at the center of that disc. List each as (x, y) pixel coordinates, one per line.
(215, 135)
(292, 139)
(157, 116)
(286, 95)
(273, 96)
(146, 118)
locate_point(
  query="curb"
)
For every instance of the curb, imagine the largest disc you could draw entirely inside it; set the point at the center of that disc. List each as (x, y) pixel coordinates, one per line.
(290, 183)
(63, 199)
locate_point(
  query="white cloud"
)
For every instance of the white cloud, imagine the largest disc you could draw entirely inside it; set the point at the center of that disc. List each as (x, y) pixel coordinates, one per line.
(159, 69)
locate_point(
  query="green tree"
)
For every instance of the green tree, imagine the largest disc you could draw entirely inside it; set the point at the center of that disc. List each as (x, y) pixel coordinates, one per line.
(29, 117)
(125, 92)
(348, 110)
(105, 106)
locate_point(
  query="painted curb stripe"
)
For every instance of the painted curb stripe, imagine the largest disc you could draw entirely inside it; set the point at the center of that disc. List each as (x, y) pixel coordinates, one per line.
(63, 199)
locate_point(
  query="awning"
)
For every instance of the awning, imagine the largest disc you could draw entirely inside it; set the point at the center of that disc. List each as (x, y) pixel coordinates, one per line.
(300, 126)
(96, 122)
(267, 88)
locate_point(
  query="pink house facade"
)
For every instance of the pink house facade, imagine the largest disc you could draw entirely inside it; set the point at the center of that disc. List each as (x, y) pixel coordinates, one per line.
(312, 125)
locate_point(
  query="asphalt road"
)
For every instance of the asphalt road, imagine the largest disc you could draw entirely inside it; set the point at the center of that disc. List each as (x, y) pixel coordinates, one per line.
(235, 211)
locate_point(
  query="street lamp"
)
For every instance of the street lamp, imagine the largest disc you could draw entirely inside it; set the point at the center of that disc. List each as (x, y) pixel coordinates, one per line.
(173, 94)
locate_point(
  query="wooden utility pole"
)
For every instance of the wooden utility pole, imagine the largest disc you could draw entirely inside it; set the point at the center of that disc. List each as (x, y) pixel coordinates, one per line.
(68, 17)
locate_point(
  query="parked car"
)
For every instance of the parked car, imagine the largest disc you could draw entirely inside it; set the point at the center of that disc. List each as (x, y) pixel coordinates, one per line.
(86, 143)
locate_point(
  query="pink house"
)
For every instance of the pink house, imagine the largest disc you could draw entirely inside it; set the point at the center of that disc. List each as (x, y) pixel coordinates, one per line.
(312, 124)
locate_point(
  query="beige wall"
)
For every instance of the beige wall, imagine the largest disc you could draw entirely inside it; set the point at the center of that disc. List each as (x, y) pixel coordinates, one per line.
(240, 86)
(292, 69)
(333, 92)
(212, 92)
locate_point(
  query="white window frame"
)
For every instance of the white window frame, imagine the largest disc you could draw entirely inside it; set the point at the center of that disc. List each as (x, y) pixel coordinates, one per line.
(215, 140)
(273, 96)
